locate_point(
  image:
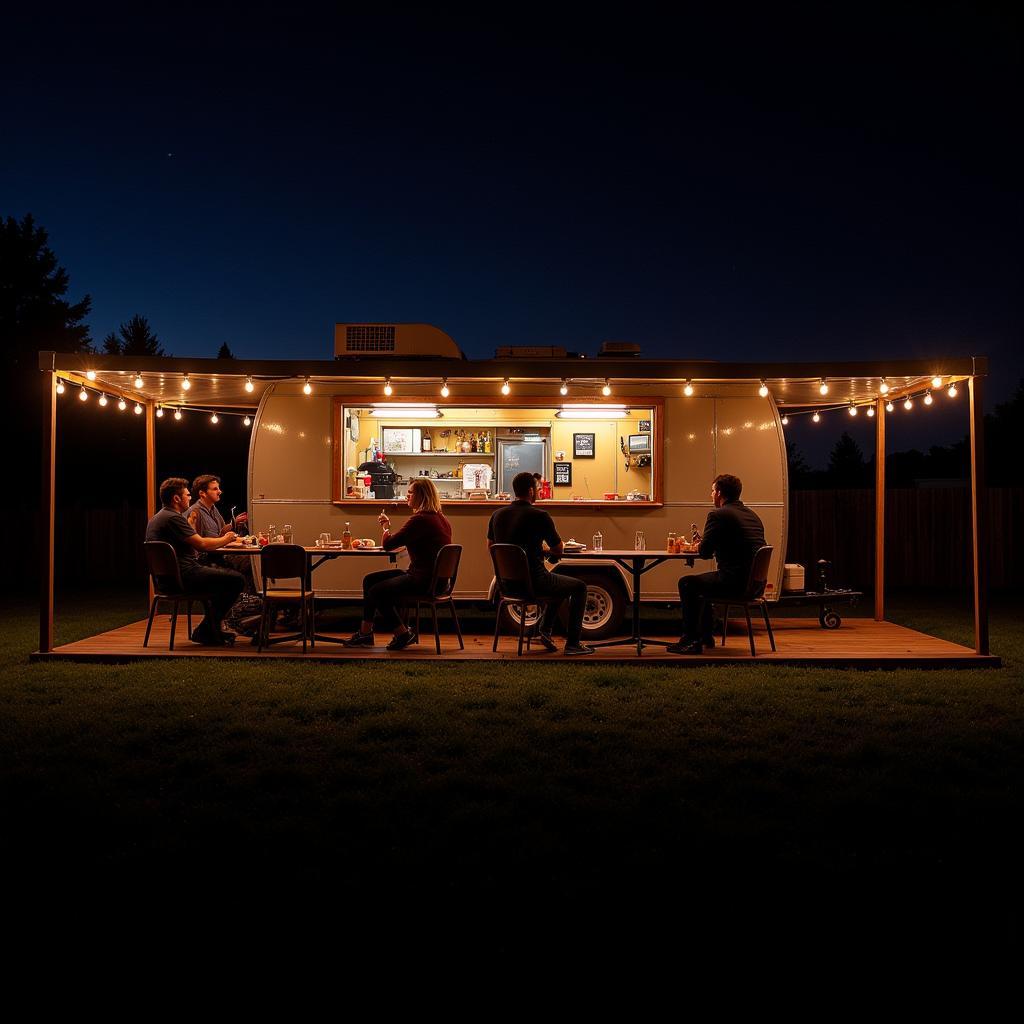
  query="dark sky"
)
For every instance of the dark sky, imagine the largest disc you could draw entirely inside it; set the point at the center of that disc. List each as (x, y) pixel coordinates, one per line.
(757, 186)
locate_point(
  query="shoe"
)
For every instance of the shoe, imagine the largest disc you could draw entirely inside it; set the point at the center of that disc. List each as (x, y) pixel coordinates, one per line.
(686, 646)
(544, 639)
(578, 649)
(201, 636)
(709, 642)
(358, 639)
(400, 642)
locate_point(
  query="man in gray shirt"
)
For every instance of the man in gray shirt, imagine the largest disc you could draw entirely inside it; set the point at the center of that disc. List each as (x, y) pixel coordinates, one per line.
(204, 517)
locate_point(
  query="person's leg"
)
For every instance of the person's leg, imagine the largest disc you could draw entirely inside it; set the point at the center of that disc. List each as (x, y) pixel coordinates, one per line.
(223, 586)
(692, 591)
(560, 588)
(371, 595)
(388, 595)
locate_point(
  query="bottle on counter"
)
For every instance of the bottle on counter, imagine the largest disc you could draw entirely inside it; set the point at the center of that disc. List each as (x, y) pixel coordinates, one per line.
(426, 443)
(598, 541)
(346, 537)
(671, 545)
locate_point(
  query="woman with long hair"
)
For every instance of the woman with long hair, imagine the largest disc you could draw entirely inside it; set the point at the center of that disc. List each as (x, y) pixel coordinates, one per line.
(425, 532)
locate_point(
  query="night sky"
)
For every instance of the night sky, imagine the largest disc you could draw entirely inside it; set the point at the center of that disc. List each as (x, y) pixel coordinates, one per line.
(757, 187)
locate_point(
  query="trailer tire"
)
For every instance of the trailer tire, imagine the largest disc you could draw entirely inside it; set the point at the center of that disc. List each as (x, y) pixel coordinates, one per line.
(510, 618)
(606, 605)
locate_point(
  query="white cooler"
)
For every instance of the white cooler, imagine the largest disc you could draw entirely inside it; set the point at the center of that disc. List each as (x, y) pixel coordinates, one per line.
(793, 578)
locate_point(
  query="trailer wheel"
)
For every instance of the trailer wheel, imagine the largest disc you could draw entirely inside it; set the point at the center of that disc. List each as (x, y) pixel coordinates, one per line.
(830, 619)
(605, 608)
(510, 618)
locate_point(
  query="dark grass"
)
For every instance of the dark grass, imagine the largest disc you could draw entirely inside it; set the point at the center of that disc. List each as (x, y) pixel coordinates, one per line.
(832, 802)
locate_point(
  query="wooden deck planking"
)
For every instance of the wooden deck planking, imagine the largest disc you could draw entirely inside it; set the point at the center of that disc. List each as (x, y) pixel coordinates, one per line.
(862, 643)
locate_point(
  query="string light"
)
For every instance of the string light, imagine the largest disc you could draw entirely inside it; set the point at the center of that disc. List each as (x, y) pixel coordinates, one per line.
(951, 391)
(215, 418)
(785, 421)
(445, 390)
(138, 409)
(177, 414)
(138, 380)
(889, 407)
(60, 387)
(688, 390)
(247, 422)
(564, 389)
(607, 389)
(853, 409)
(908, 404)
(816, 417)
(103, 399)
(186, 383)
(160, 412)
(307, 388)
(506, 388)
(936, 381)
(927, 398)
(249, 386)
(823, 387)
(883, 388)
(90, 374)
(388, 389)
(763, 390)
(83, 395)
(871, 412)
(122, 405)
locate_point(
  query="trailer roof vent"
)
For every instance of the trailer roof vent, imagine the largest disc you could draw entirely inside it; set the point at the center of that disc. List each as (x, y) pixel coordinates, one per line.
(618, 349)
(405, 341)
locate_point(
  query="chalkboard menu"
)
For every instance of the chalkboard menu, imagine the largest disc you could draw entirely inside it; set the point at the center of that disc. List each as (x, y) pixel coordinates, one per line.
(583, 446)
(563, 474)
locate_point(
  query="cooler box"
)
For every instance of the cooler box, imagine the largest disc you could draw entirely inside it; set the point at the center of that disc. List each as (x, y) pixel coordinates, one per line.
(793, 579)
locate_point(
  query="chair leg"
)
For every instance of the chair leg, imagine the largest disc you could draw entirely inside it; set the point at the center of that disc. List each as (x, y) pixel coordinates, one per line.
(437, 635)
(261, 633)
(305, 632)
(725, 623)
(417, 631)
(149, 625)
(497, 624)
(522, 626)
(768, 623)
(750, 630)
(458, 628)
(312, 622)
(188, 616)
(174, 623)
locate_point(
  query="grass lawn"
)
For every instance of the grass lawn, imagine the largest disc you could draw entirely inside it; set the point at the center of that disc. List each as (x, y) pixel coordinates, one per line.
(820, 803)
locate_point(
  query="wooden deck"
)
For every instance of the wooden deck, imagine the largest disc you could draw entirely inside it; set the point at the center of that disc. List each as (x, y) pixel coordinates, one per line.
(859, 643)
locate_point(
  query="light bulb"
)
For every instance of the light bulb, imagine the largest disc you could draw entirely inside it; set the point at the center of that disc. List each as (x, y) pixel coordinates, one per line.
(91, 374)
(122, 404)
(83, 395)
(249, 386)
(138, 409)
(816, 418)
(908, 404)
(763, 390)
(785, 421)
(138, 380)
(506, 387)
(883, 388)
(160, 412)
(214, 418)
(853, 410)
(247, 422)
(177, 414)
(823, 387)
(445, 391)
(936, 381)
(889, 407)
(307, 388)
(564, 389)
(951, 391)
(103, 399)
(871, 411)
(186, 383)
(388, 389)
(688, 390)
(607, 389)
(928, 398)
(60, 387)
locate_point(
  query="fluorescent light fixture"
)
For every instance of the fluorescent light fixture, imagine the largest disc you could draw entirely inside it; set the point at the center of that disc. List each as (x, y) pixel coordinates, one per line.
(593, 405)
(593, 413)
(406, 412)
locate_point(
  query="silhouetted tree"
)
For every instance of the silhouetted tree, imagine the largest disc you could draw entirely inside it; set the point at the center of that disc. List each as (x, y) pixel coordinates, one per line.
(846, 466)
(799, 468)
(136, 339)
(224, 352)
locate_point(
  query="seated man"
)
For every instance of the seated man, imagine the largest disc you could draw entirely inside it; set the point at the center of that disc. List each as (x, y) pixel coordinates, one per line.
(732, 533)
(170, 524)
(529, 527)
(204, 517)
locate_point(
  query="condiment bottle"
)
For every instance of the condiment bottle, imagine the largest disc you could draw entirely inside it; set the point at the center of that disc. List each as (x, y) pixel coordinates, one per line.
(346, 538)
(670, 546)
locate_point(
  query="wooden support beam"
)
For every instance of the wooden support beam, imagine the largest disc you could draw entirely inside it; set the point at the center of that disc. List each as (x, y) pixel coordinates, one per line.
(47, 510)
(880, 510)
(150, 470)
(979, 515)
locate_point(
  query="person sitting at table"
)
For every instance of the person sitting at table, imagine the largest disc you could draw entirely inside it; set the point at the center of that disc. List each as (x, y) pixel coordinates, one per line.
(732, 533)
(520, 522)
(423, 534)
(224, 585)
(204, 517)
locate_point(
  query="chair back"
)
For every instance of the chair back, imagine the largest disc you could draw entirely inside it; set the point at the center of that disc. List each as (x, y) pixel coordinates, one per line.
(446, 570)
(162, 561)
(512, 571)
(283, 562)
(758, 579)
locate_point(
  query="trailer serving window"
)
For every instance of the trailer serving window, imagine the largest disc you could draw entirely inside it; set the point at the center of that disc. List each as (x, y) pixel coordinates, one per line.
(585, 452)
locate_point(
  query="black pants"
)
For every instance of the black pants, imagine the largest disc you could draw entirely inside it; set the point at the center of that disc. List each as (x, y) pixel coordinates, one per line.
(695, 595)
(558, 589)
(223, 586)
(384, 590)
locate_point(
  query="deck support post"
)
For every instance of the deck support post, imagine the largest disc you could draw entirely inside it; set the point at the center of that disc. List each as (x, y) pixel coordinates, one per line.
(48, 510)
(150, 475)
(979, 515)
(880, 510)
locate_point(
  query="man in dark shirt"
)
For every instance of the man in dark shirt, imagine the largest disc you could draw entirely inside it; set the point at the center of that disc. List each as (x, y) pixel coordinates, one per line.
(223, 585)
(204, 517)
(530, 527)
(732, 533)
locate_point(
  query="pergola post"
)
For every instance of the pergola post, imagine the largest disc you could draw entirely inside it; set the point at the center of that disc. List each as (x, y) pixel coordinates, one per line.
(979, 516)
(150, 474)
(48, 511)
(880, 510)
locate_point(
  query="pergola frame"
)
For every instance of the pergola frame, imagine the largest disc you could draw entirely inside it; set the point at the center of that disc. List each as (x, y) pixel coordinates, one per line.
(913, 374)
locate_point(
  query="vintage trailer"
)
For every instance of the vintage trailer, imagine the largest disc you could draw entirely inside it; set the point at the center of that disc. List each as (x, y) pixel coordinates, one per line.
(638, 458)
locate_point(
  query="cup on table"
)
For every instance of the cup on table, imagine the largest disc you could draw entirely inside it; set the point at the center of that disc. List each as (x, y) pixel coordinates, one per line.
(323, 540)
(639, 543)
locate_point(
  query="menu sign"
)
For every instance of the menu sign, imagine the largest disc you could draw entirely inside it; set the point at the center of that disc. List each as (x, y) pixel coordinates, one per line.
(563, 474)
(583, 446)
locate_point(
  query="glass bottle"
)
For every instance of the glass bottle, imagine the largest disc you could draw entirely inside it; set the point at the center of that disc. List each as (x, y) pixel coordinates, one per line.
(671, 545)
(271, 534)
(639, 542)
(287, 532)
(346, 538)
(598, 541)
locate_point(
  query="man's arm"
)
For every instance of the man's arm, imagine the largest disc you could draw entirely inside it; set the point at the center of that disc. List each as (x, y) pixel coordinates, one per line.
(210, 543)
(554, 542)
(712, 534)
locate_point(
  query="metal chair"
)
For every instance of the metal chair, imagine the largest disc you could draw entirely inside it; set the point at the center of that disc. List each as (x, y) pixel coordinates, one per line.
(286, 562)
(442, 591)
(753, 595)
(162, 561)
(515, 588)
